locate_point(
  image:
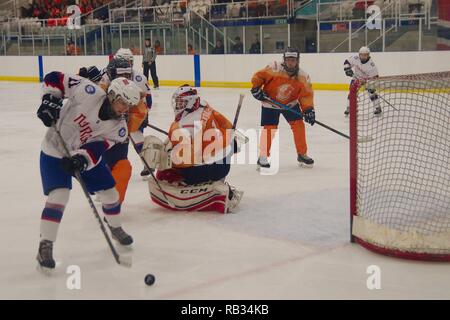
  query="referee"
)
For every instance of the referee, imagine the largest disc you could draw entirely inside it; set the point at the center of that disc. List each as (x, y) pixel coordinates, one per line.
(149, 63)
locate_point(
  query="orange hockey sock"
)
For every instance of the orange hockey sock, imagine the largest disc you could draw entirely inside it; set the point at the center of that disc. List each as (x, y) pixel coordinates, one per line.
(122, 174)
(298, 130)
(267, 135)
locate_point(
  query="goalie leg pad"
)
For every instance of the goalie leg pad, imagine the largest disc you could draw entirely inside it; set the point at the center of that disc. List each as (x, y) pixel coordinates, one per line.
(209, 196)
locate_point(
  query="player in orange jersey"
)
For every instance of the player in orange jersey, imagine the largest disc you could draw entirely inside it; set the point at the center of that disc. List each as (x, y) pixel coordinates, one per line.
(286, 83)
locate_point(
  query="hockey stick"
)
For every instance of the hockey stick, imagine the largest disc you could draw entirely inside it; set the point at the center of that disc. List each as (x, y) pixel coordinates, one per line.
(158, 129)
(282, 106)
(285, 107)
(151, 172)
(238, 111)
(236, 117)
(387, 102)
(122, 260)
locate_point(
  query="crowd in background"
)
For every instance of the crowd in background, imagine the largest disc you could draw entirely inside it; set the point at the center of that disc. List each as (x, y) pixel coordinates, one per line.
(54, 9)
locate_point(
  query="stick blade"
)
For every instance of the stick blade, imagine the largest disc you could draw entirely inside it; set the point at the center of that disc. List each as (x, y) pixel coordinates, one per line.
(125, 261)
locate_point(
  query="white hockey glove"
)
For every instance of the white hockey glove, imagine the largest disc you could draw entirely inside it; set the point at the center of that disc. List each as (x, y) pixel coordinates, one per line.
(239, 139)
(155, 153)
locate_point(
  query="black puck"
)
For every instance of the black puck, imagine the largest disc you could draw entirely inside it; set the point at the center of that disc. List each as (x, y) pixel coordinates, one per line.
(149, 279)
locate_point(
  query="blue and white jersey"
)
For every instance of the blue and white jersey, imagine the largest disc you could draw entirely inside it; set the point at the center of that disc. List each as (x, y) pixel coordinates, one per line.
(363, 71)
(141, 81)
(83, 131)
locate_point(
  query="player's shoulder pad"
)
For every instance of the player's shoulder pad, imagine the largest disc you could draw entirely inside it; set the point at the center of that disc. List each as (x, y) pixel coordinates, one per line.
(302, 74)
(275, 66)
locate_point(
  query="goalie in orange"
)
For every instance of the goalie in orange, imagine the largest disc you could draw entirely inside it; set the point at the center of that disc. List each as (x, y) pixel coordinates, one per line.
(286, 83)
(195, 160)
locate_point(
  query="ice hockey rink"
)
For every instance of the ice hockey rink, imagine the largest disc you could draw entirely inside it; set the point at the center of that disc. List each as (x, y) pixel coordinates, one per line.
(288, 240)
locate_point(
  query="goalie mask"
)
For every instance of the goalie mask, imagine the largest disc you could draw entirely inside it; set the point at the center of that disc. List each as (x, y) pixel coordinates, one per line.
(291, 59)
(185, 99)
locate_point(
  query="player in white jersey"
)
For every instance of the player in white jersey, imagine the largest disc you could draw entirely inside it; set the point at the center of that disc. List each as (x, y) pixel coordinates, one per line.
(90, 122)
(117, 157)
(142, 82)
(362, 68)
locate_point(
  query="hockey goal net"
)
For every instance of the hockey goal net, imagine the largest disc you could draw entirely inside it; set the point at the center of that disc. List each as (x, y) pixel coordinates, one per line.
(400, 165)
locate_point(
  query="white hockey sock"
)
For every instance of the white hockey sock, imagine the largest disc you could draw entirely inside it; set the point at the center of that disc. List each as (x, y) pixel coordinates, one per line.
(111, 206)
(52, 213)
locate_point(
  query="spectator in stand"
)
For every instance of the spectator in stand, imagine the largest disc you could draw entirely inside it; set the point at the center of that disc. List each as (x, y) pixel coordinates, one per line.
(158, 48)
(359, 10)
(256, 46)
(252, 8)
(238, 47)
(71, 50)
(261, 8)
(218, 49)
(191, 49)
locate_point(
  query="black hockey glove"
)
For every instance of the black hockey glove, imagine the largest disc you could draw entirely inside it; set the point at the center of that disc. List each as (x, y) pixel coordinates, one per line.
(74, 163)
(371, 90)
(259, 94)
(348, 72)
(49, 109)
(92, 73)
(310, 116)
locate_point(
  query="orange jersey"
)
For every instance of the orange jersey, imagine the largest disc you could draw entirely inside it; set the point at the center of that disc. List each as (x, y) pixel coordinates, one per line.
(205, 138)
(279, 86)
(137, 115)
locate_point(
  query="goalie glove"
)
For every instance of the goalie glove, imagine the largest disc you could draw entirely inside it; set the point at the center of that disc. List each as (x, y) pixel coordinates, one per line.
(156, 153)
(239, 140)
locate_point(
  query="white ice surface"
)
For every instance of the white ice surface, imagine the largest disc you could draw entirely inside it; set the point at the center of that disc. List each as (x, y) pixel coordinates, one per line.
(289, 240)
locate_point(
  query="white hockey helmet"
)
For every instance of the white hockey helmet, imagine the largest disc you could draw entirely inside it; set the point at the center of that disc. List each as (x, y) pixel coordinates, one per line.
(126, 54)
(185, 98)
(365, 52)
(124, 89)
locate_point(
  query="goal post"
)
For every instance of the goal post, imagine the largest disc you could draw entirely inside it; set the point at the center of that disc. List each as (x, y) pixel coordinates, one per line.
(400, 177)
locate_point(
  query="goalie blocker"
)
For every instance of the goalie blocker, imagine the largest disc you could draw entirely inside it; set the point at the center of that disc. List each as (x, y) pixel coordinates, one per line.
(215, 196)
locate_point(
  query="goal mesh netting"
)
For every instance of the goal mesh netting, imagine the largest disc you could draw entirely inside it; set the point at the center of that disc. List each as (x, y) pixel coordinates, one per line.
(400, 165)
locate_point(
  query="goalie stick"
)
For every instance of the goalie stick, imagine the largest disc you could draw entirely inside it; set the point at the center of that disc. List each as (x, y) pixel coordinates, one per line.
(122, 260)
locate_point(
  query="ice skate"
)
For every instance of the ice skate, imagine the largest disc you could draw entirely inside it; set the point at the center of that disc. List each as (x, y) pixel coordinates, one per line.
(45, 255)
(263, 162)
(305, 161)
